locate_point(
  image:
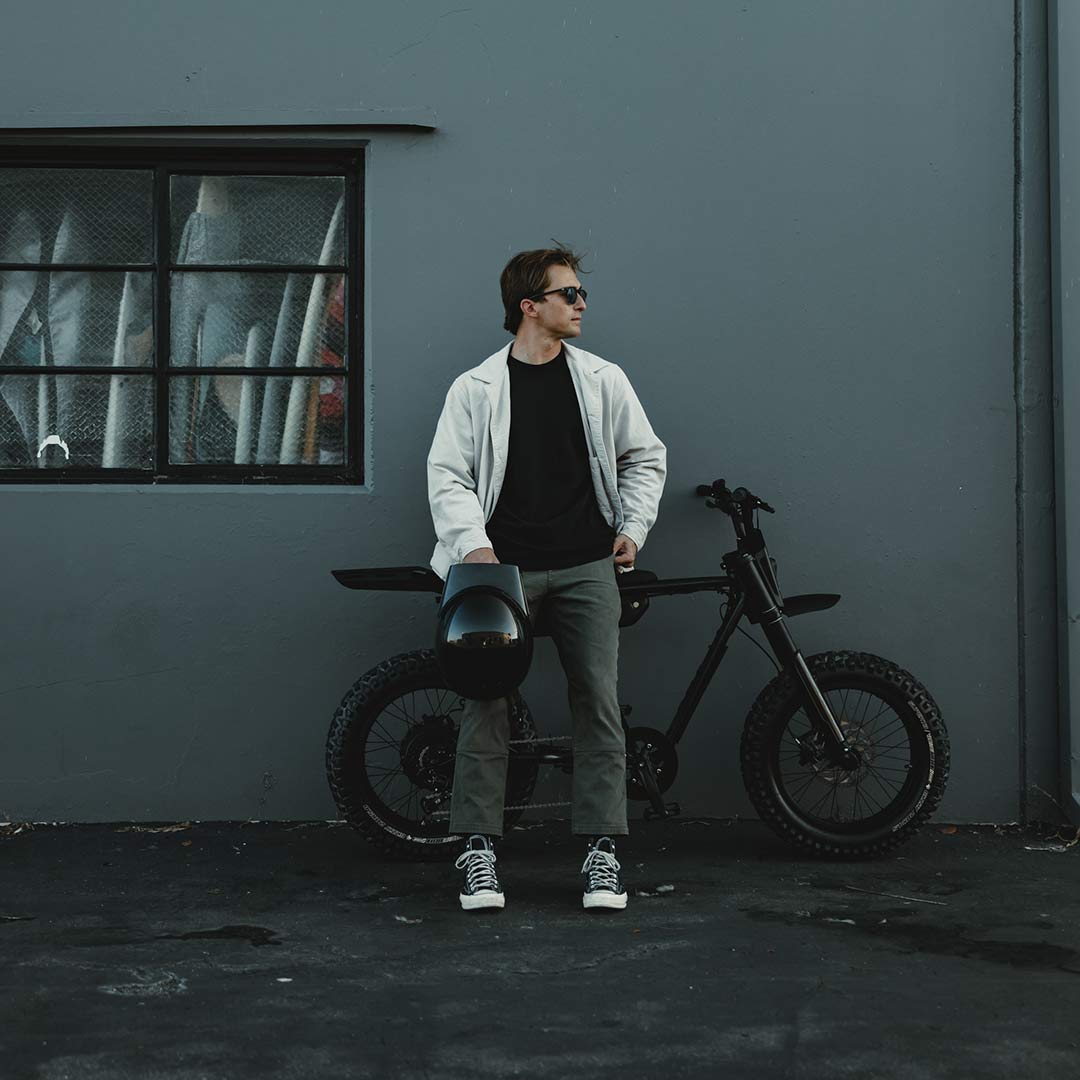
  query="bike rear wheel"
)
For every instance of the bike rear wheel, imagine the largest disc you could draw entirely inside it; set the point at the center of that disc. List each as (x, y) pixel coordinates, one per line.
(830, 811)
(390, 756)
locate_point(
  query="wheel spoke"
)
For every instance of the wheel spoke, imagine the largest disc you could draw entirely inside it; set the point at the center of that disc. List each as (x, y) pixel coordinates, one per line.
(382, 744)
(828, 791)
(380, 786)
(377, 723)
(888, 733)
(871, 771)
(809, 782)
(879, 734)
(404, 798)
(906, 744)
(400, 713)
(868, 798)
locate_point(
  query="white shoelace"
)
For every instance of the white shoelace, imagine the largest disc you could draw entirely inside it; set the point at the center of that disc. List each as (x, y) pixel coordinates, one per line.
(479, 867)
(603, 870)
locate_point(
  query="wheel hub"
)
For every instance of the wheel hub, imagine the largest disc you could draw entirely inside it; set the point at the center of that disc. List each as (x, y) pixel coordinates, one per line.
(848, 765)
(427, 753)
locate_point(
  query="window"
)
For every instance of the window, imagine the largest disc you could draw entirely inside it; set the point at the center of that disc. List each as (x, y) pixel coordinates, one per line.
(180, 315)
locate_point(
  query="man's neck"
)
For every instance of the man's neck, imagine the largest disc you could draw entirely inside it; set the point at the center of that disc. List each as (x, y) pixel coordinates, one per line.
(536, 350)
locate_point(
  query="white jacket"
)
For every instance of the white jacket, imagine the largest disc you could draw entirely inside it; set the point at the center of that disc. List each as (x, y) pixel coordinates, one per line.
(467, 460)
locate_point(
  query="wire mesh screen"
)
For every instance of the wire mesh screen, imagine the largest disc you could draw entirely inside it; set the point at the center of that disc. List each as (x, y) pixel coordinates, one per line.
(257, 420)
(258, 320)
(77, 215)
(77, 421)
(257, 219)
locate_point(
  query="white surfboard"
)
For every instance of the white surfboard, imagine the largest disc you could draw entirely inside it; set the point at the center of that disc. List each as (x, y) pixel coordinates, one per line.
(117, 412)
(297, 411)
(22, 244)
(244, 419)
(270, 420)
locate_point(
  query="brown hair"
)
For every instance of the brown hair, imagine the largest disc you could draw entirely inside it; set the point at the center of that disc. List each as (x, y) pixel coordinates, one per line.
(526, 274)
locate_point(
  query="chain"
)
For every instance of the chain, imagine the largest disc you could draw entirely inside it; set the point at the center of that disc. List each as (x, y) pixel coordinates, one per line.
(546, 739)
(523, 806)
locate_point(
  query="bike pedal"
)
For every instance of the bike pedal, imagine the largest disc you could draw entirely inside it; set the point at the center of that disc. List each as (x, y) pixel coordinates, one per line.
(671, 809)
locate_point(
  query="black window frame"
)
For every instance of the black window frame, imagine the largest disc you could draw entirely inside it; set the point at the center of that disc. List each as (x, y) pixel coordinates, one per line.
(164, 161)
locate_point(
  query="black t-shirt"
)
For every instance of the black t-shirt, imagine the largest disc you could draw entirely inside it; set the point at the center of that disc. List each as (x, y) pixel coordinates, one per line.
(547, 517)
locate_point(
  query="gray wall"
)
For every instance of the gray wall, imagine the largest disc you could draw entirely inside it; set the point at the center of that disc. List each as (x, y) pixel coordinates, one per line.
(800, 227)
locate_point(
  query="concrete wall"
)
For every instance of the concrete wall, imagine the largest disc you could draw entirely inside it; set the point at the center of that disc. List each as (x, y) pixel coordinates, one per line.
(800, 227)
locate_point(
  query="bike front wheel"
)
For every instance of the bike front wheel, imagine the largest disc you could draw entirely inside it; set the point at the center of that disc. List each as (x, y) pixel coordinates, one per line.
(825, 809)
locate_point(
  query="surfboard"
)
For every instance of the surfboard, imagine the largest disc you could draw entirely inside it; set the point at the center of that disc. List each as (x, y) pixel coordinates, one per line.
(22, 244)
(244, 418)
(270, 422)
(297, 410)
(116, 413)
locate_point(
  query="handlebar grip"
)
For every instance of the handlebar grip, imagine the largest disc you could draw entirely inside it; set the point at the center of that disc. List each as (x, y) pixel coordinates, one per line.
(704, 489)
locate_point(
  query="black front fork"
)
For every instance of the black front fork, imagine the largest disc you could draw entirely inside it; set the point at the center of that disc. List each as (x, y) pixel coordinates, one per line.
(762, 607)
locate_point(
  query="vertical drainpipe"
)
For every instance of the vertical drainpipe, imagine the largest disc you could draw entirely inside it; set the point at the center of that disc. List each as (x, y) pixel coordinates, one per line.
(1041, 794)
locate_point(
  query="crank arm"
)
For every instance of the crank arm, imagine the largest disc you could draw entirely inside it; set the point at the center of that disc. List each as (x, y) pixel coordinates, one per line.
(646, 776)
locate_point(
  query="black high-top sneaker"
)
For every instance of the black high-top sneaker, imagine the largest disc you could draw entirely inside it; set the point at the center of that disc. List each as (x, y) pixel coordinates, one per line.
(480, 888)
(603, 889)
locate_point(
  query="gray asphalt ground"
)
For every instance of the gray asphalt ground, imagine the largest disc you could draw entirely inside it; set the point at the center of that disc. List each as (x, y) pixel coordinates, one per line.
(275, 950)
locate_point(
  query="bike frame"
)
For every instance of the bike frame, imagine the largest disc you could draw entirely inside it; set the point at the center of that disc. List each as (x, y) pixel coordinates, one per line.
(751, 588)
(748, 595)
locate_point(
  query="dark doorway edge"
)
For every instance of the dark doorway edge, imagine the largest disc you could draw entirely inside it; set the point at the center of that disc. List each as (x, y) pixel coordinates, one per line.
(1041, 793)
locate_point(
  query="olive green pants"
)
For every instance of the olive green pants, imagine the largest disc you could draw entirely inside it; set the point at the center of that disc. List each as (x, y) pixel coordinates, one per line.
(581, 608)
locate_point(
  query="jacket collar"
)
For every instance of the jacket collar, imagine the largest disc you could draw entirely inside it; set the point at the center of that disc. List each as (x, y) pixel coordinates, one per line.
(494, 367)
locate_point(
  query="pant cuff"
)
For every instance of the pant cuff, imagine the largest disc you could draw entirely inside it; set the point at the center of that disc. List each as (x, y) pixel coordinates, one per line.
(468, 830)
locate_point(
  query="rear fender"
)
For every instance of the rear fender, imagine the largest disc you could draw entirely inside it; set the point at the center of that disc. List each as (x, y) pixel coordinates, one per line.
(391, 579)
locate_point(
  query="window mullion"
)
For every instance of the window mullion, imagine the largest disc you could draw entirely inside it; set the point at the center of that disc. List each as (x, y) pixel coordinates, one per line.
(352, 437)
(162, 334)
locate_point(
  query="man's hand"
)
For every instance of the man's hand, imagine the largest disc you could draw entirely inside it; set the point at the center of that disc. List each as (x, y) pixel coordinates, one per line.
(625, 550)
(481, 555)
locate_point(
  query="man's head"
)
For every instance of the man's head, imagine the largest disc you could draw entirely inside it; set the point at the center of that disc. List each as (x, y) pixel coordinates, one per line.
(528, 282)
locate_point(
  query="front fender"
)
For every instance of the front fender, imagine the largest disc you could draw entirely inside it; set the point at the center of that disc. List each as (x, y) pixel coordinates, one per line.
(800, 605)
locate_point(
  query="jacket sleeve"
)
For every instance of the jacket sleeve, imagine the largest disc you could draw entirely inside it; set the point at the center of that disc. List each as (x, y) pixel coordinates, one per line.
(455, 509)
(640, 463)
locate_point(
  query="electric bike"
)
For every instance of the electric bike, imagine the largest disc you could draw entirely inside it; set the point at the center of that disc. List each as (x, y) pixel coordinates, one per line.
(844, 754)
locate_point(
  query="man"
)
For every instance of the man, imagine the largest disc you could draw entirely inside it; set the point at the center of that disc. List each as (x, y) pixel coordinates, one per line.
(567, 493)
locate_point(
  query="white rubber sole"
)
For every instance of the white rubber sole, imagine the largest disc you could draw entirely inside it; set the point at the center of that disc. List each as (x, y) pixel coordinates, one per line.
(604, 900)
(479, 901)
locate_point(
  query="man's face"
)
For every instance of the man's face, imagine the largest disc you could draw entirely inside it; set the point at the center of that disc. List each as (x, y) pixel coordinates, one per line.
(553, 314)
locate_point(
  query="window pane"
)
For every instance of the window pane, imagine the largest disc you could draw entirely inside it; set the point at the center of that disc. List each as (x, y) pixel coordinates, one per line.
(257, 420)
(76, 215)
(257, 320)
(76, 421)
(294, 220)
(76, 317)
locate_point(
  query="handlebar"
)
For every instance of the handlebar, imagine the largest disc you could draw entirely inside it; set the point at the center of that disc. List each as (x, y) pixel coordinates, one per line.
(740, 505)
(741, 501)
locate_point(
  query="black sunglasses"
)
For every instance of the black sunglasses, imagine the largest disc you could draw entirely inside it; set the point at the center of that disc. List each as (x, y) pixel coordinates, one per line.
(569, 294)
